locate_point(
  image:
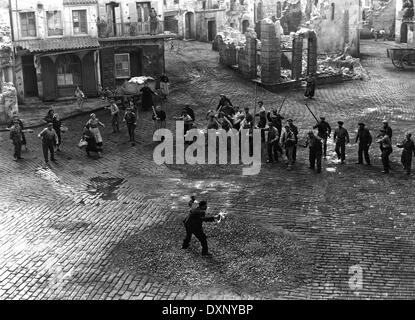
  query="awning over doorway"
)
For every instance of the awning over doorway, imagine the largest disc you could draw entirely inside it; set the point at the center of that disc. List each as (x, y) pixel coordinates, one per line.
(57, 44)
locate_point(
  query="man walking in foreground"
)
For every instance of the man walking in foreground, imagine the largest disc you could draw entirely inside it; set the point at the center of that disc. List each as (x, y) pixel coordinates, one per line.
(324, 131)
(315, 146)
(193, 225)
(365, 140)
(49, 140)
(341, 138)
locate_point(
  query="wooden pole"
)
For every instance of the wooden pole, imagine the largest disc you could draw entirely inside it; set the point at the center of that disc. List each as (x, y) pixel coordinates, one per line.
(253, 124)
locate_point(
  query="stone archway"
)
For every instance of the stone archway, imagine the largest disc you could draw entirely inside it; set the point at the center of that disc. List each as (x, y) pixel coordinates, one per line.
(190, 29)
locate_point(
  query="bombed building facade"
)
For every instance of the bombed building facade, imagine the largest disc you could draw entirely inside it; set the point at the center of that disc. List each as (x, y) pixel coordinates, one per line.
(335, 22)
(194, 19)
(404, 25)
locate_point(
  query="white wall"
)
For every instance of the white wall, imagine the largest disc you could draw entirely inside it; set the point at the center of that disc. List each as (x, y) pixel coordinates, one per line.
(41, 18)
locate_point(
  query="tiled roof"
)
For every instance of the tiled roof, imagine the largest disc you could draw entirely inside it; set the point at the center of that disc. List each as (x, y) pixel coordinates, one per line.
(79, 2)
(57, 44)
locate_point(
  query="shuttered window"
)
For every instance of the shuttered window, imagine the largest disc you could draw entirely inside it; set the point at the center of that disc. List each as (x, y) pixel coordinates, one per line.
(54, 23)
(80, 25)
(122, 65)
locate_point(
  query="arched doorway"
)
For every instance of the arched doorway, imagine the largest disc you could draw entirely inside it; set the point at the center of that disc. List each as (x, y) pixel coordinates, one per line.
(404, 33)
(189, 25)
(68, 74)
(245, 26)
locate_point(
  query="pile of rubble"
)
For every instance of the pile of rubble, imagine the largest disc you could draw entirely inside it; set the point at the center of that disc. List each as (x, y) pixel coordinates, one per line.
(6, 48)
(230, 35)
(347, 66)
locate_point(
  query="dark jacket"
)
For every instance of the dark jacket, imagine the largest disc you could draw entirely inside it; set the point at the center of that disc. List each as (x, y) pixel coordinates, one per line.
(130, 118)
(196, 217)
(364, 137)
(294, 130)
(223, 101)
(389, 132)
(160, 114)
(323, 128)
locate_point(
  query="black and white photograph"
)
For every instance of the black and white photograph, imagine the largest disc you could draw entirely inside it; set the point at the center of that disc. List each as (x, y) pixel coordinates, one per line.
(220, 151)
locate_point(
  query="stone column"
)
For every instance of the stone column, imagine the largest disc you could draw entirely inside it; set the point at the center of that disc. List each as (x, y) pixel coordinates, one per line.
(297, 60)
(270, 54)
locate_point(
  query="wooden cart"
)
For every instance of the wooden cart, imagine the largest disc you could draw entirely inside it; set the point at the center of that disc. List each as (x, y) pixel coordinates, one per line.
(402, 57)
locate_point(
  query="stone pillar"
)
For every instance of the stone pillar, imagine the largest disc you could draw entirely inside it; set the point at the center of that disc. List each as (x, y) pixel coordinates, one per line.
(312, 53)
(297, 60)
(270, 54)
(251, 50)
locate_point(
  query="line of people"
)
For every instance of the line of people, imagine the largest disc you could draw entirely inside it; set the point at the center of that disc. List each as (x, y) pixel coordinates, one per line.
(285, 137)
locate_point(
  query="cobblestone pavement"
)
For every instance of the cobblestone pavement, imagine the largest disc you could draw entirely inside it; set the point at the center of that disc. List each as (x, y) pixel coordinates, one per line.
(60, 227)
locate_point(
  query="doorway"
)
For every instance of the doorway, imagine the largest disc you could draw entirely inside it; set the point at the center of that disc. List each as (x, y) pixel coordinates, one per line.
(29, 77)
(211, 30)
(404, 33)
(189, 25)
(245, 26)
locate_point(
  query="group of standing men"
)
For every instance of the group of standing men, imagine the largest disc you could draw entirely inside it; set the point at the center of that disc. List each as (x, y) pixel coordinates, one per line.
(286, 137)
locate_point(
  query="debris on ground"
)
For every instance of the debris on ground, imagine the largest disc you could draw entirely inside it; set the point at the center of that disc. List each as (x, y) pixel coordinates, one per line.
(245, 256)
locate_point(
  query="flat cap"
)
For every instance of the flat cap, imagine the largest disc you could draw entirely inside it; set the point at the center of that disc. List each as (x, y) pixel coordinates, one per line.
(340, 122)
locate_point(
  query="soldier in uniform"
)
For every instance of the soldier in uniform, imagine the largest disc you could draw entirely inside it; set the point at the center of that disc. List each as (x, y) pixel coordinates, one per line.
(316, 150)
(193, 225)
(365, 140)
(341, 138)
(386, 148)
(324, 131)
(408, 147)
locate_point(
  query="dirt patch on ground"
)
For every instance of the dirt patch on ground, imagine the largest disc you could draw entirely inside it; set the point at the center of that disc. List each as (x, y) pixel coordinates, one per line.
(247, 258)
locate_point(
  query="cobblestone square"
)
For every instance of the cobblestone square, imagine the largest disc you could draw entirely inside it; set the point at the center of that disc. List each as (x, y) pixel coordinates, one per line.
(103, 228)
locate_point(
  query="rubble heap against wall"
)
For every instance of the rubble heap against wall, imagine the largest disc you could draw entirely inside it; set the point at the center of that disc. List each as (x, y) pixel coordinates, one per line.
(8, 94)
(6, 48)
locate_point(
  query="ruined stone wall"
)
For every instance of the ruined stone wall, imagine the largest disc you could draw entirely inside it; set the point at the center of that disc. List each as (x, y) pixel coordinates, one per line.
(333, 30)
(336, 23)
(8, 95)
(236, 13)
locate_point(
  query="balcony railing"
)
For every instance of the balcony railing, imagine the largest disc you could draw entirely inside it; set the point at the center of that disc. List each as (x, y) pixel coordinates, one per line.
(129, 29)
